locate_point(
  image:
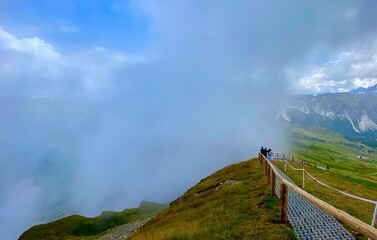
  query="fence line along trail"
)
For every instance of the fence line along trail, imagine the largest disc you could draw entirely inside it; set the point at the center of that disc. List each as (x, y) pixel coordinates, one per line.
(308, 220)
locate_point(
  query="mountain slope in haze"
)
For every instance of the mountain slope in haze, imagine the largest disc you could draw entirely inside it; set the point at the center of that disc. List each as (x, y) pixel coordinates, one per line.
(79, 227)
(352, 115)
(232, 203)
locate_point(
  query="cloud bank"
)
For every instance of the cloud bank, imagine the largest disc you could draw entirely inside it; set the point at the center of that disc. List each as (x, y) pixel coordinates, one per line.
(348, 70)
(101, 129)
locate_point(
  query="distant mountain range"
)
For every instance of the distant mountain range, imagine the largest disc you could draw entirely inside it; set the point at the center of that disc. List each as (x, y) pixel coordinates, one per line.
(367, 91)
(352, 114)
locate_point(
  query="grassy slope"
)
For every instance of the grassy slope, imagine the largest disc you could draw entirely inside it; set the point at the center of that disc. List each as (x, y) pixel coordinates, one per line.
(241, 209)
(79, 227)
(347, 172)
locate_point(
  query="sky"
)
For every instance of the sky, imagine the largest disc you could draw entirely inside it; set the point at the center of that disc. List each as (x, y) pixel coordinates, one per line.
(107, 103)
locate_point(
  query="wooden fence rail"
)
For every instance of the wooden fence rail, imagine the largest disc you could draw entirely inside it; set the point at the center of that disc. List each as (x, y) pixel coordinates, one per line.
(352, 222)
(293, 159)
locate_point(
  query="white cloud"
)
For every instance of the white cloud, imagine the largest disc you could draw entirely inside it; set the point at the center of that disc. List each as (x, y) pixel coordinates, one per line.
(39, 83)
(67, 29)
(100, 49)
(367, 82)
(354, 68)
(35, 68)
(35, 46)
(177, 112)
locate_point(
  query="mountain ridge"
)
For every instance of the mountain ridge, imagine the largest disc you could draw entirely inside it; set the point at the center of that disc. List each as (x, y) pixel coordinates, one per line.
(352, 115)
(362, 90)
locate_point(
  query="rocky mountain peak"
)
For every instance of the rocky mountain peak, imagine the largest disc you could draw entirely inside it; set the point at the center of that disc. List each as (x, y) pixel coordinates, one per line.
(367, 91)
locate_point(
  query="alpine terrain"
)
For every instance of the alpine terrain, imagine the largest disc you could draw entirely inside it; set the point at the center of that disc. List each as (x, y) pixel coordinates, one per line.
(352, 114)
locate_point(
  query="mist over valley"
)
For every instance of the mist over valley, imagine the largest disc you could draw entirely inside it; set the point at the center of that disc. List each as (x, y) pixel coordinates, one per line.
(106, 104)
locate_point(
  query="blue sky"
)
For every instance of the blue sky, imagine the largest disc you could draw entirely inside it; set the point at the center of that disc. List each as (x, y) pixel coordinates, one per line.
(107, 103)
(136, 27)
(117, 25)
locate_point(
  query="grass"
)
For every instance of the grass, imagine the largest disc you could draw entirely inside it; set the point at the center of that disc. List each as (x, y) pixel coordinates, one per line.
(335, 151)
(79, 227)
(359, 209)
(233, 203)
(346, 171)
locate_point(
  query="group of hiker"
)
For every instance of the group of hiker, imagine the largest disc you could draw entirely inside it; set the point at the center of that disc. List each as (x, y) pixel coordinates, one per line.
(267, 153)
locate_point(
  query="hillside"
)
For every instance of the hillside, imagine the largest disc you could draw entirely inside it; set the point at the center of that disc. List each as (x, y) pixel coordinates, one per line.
(79, 227)
(232, 203)
(328, 148)
(345, 165)
(352, 115)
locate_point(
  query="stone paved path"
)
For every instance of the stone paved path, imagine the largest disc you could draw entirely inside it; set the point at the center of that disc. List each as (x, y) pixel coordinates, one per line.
(309, 221)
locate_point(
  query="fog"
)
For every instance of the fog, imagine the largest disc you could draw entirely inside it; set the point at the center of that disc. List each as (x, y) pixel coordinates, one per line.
(98, 129)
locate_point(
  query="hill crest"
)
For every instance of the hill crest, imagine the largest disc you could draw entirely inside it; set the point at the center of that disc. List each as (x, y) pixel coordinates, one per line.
(233, 202)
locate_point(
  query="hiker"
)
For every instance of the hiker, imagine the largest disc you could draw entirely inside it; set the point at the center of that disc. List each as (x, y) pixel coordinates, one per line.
(264, 152)
(261, 150)
(269, 154)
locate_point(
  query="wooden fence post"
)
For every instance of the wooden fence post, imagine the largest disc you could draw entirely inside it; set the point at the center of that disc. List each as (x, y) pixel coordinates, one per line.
(374, 216)
(283, 202)
(260, 158)
(265, 166)
(268, 172)
(273, 182)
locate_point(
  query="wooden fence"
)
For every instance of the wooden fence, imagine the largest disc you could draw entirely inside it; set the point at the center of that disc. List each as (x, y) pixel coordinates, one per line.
(297, 160)
(342, 216)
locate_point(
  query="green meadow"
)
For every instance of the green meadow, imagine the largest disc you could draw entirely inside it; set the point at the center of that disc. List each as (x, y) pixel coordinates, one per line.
(348, 166)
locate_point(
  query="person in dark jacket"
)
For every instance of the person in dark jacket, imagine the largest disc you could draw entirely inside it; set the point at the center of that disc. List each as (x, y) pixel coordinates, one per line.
(264, 152)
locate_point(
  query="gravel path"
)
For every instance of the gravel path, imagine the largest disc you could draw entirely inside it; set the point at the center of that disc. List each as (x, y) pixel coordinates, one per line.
(124, 231)
(309, 221)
